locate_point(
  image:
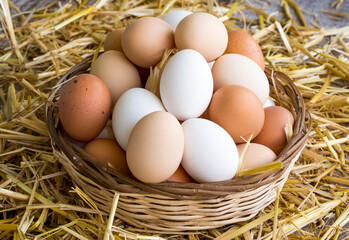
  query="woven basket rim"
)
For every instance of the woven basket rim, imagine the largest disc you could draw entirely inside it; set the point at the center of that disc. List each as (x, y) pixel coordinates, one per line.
(111, 179)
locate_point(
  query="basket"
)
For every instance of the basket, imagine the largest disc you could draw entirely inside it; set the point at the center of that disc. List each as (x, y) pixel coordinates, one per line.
(170, 207)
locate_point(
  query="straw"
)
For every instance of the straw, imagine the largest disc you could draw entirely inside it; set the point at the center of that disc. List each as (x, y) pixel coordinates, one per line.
(39, 47)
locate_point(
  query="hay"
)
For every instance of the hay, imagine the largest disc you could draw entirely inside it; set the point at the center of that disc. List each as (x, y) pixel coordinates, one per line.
(38, 47)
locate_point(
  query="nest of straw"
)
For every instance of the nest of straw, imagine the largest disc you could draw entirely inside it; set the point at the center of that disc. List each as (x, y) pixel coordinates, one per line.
(38, 198)
(143, 205)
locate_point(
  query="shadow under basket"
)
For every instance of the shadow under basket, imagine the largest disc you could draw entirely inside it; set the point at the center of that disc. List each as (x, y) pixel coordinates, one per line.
(170, 207)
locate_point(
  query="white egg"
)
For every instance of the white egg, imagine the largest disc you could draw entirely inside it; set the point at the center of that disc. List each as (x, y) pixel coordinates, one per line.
(211, 64)
(80, 144)
(104, 134)
(269, 103)
(210, 154)
(186, 85)
(174, 17)
(133, 105)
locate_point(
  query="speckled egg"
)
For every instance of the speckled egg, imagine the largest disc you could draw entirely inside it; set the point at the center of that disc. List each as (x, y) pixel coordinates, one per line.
(84, 107)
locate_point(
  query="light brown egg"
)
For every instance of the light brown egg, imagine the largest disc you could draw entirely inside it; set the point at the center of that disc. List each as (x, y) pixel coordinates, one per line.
(238, 110)
(113, 40)
(240, 42)
(180, 175)
(236, 69)
(146, 39)
(117, 72)
(204, 33)
(255, 155)
(155, 147)
(108, 152)
(273, 133)
(84, 107)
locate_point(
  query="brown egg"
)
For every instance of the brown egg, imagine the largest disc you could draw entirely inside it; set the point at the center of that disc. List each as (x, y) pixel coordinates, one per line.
(241, 42)
(84, 107)
(117, 72)
(107, 151)
(204, 33)
(113, 40)
(155, 147)
(273, 133)
(180, 175)
(238, 110)
(146, 39)
(255, 155)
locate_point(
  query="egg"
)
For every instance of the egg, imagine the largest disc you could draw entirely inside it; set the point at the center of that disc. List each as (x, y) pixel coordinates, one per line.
(255, 155)
(269, 103)
(84, 107)
(186, 85)
(180, 175)
(210, 64)
(236, 69)
(238, 110)
(146, 39)
(113, 40)
(108, 152)
(210, 154)
(240, 42)
(129, 109)
(204, 33)
(273, 133)
(174, 17)
(117, 72)
(107, 132)
(155, 147)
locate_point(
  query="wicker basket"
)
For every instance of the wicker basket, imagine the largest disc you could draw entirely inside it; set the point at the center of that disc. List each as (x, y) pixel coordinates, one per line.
(179, 207)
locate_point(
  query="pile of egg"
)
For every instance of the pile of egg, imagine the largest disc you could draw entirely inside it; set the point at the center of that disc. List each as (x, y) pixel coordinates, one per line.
(211, 99)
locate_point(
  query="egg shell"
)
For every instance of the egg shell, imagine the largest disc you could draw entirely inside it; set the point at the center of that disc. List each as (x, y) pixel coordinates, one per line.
(186, 85)
(79, 144)
(204, 33)
(238, 110)
(117, 72)
(240, 42)
(155, 147)
(273, 133)
(107, 132)
(210, 154)
(211, 64)
(84, 107)
(180, 175)
(146, 39)
(173, 18)
(236, 69)
(256, 155)
(269, 103)
(129, 109)
(108, 152)
(113, 40)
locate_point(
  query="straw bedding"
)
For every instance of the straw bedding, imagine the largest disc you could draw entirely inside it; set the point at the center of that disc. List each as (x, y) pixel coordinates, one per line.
(44, 194)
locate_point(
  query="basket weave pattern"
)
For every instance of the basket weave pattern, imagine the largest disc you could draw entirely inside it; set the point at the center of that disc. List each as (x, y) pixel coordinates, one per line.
(179, 207)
